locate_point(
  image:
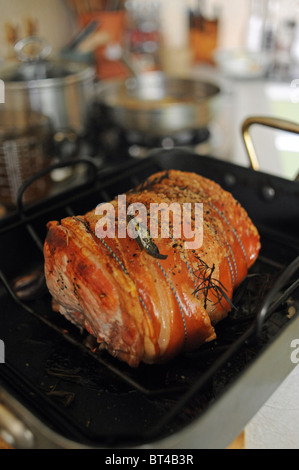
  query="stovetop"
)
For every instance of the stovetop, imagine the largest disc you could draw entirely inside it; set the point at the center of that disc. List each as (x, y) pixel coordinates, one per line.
(116, 145)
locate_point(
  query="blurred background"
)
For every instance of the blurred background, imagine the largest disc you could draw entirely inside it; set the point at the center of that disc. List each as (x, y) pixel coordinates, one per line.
(230, 42)
(58, 63)
(203, 25)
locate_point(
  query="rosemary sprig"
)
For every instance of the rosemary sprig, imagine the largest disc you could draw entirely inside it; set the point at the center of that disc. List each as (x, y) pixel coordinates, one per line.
(206, 282)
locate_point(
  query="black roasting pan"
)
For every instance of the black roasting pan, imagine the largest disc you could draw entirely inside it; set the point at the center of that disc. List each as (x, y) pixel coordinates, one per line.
(64, 395)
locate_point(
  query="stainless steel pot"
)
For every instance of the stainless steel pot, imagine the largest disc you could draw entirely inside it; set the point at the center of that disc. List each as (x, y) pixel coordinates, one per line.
(57, 88)
(158, 104)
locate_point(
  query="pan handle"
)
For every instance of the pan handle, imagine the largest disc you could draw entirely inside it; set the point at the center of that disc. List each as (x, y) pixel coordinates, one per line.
(275, 123)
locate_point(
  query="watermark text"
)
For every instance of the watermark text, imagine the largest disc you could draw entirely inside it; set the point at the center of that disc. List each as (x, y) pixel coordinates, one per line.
(161, 221)
(2, 352)
(295, 91)
(295, 353)
(2, 91)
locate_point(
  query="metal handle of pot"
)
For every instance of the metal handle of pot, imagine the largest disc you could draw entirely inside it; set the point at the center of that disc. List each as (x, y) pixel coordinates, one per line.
(40, 50)
(86, 161)
(274, 123)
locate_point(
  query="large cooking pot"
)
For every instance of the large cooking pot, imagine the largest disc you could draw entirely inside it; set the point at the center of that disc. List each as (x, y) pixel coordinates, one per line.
(59, 89)
(158, 104)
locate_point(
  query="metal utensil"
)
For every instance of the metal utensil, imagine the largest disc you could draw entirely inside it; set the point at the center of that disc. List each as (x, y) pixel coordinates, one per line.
(274, 123)
(83, 34)
(24, 149)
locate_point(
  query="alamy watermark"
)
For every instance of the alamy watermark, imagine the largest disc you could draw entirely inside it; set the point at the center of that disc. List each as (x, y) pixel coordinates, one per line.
(295, 90)
(2, 91)
(163, 220)
(2, 352)
(295, 353)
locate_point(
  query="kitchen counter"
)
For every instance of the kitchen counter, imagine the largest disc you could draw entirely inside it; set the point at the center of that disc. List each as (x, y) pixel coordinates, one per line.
(276, 425)
(3, 444)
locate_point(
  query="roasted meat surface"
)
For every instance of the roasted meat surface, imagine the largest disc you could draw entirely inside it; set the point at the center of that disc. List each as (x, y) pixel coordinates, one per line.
(148, 299)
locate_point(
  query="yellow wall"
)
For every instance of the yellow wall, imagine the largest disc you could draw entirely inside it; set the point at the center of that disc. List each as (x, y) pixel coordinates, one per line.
(55, 20)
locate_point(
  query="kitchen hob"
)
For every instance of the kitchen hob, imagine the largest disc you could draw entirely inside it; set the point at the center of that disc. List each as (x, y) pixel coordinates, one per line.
(112, 145)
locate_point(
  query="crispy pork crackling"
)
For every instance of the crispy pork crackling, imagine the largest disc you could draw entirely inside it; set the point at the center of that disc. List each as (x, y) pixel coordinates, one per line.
(144, 298)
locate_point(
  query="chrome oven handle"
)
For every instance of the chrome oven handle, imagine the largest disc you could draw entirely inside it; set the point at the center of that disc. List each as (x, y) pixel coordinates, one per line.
(275, 123)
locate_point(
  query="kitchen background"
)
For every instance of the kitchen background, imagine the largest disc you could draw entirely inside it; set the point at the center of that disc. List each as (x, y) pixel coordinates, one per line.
(235, 43)
(249, 48)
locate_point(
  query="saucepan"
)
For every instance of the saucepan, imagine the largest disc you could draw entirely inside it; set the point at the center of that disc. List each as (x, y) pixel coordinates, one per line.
(158, 104)
(60, 89)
